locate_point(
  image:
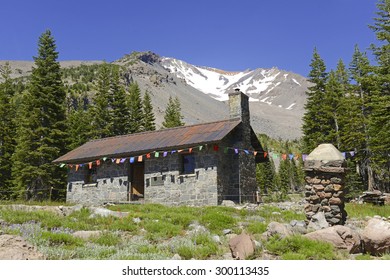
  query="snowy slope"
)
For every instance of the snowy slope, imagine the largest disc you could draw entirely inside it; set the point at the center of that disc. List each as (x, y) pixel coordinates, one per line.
(271, 86)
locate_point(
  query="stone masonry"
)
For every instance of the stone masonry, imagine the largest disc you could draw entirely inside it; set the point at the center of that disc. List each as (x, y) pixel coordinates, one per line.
(324, 190)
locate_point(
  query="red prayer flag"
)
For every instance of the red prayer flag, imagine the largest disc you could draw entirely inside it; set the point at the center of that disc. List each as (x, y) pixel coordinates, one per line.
(216, 148)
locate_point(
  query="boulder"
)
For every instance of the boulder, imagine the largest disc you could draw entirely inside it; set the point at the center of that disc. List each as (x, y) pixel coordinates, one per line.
(241, 246)
(16, 248)
(317, 221)
(341, 237)
(97, 211)
(228, 203)
(376, 237)
(275, 228)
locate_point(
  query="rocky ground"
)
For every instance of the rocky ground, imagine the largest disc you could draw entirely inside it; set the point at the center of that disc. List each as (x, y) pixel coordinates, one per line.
(370, 235)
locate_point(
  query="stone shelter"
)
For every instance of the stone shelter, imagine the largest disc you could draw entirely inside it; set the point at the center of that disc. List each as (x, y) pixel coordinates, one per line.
(200, 164)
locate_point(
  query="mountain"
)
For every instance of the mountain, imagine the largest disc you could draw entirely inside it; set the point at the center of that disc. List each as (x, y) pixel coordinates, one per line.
(271, 86)
(277, 97)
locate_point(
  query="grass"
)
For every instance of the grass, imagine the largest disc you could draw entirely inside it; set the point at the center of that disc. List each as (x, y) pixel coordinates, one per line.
(297, 247)
(360, 211)
(163, 231)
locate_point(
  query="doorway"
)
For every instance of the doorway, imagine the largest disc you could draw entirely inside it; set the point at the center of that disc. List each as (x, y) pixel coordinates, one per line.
(137, 186)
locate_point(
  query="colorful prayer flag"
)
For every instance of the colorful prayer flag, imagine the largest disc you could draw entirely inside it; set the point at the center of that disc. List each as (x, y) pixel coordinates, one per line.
(216, 148)
(190, 150)
(77, 167)
(265, 154)
(236, 150)
(156, 154)
(139, 158)
(90, 165)
(148, 155)
(200, 148)
(123, 160)
(165, 154)
(62, 165)
(118, 160)
(132, 160)
(98, 162)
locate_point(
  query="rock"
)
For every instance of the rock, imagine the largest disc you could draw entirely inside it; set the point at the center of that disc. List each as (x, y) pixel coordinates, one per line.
(341, 237)
(136, 220)
(335, 201)
(226, 231)
(16, 248)
(217, 239)
(298, 226)
(241, 246)
(376, 237)
(176, 257)
(317, 222)
(195, 228)
(96, 211)
(275, 228)
(86, 234)
(228, 203)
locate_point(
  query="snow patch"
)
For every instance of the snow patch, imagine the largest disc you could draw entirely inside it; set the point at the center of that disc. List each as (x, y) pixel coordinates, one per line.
(291, 106)
(295, 81)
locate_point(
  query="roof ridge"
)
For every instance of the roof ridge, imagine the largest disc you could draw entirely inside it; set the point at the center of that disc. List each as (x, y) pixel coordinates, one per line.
(164, 129)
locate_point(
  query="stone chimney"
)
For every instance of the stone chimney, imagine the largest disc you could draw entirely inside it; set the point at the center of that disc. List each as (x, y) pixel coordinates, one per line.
(239, 106)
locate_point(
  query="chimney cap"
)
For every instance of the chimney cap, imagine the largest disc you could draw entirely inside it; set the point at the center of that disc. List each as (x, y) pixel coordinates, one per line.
(237, 89)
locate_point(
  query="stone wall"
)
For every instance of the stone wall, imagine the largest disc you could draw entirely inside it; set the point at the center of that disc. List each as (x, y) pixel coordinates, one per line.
(112, 185)
(324, 190)
(166, 185)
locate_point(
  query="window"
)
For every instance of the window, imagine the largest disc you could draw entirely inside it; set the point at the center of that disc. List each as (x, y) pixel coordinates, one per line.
(188, 166)
(90, 175)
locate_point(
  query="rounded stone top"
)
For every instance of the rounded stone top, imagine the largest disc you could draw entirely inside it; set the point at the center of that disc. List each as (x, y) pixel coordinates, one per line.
(325, 153)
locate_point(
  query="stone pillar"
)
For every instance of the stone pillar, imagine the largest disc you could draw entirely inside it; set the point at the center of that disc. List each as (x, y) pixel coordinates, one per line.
(324, 191)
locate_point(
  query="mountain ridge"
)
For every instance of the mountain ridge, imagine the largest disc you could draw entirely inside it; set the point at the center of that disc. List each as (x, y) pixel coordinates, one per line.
(277, 96)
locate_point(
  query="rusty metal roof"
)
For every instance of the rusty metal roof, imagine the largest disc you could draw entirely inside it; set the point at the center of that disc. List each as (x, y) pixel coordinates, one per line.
(145, 142)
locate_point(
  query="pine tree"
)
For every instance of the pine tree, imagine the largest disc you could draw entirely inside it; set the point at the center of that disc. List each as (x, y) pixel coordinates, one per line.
(41, 135)
(355, 118)
(7, 128)
(79, 125)
(336, 86)
(285, 176)
(148, 119)
(135, 108)
(101, 119)
(120, 113)
(265, 173)
(379, 124)
(315, 120)
(173, 117)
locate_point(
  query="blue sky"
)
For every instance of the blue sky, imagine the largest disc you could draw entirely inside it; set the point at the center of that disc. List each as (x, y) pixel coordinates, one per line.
(230, 35)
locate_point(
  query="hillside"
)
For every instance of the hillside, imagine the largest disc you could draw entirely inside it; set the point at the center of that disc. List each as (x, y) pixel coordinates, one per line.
(277, 97)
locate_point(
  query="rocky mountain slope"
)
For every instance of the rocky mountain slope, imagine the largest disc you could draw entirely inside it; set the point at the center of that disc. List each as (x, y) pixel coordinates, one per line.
(277, 97)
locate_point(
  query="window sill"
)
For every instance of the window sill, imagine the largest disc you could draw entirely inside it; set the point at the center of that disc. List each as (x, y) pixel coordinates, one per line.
(90, 185)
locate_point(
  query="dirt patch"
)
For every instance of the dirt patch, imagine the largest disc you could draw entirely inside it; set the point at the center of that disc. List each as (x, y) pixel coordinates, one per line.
(16, 248)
